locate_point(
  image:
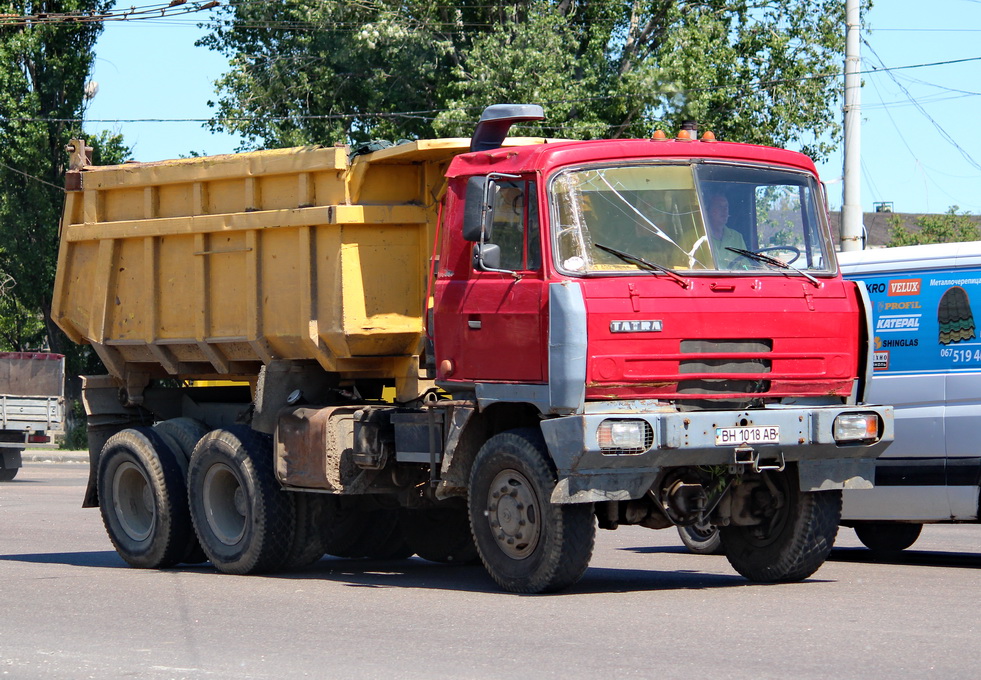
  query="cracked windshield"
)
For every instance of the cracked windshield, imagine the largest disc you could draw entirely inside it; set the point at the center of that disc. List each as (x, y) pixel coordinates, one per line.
(688, 218)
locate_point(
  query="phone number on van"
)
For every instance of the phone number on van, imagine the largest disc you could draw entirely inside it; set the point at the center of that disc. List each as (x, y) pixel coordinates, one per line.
(961, 356)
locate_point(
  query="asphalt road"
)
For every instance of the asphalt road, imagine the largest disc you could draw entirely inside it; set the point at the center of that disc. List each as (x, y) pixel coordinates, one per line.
(72, 609)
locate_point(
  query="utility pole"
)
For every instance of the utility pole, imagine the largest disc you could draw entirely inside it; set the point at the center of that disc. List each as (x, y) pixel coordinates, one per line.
(852, 228)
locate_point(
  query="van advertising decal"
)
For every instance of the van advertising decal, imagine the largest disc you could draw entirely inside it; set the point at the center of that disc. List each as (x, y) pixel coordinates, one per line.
(924, 321)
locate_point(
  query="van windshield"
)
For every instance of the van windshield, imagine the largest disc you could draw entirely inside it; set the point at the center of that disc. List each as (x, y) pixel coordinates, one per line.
(688, 217)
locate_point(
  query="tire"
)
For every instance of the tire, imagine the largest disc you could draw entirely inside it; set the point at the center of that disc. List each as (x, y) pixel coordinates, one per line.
(183, 434)
(143, 499)
(440, 534)
(7, 474)
(701, 539)
(527, 544)
(310, 513)
(243, 519)
(186, 432)
(794, 539)
(887, 537)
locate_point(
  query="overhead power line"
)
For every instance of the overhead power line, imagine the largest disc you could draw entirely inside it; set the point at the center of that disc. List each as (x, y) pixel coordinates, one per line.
(919, 107)
(175, 8)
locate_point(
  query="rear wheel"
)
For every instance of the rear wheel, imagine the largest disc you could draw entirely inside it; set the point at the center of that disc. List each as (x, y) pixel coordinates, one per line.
(10, 462)
(182, 435)
(527, 544)
(886, 536)
(310, 513)
(242, 518)
(796, 531)
(143, 499)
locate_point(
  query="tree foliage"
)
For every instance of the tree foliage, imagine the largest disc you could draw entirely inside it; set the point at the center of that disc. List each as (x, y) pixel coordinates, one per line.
(307, 72)
(950, 227)
(43, 71)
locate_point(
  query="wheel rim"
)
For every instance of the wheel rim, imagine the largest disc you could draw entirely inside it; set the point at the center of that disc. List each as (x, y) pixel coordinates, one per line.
(224, 504)
(514, 512)
(132, 500)
(774, 519)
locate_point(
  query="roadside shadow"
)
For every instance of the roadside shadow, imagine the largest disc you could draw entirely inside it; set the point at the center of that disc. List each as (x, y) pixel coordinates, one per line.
(912, 558)
(416, 573)
(95, 558)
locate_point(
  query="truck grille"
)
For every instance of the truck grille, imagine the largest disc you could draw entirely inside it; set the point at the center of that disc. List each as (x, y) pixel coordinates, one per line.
(728, 357)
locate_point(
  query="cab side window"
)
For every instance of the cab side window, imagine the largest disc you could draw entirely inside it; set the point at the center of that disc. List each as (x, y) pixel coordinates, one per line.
(515, 225)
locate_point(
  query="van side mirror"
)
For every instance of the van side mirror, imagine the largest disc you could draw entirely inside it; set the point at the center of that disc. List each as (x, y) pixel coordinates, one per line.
(477, 213)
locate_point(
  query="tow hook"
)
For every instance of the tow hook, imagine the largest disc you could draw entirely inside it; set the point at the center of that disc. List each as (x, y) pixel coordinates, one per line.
(747, 455)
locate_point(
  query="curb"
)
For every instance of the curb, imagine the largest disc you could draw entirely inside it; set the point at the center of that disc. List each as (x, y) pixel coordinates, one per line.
(54, 456)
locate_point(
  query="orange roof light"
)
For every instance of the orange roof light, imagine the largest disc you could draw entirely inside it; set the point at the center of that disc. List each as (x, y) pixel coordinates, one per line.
(659, 135)
(708, 136)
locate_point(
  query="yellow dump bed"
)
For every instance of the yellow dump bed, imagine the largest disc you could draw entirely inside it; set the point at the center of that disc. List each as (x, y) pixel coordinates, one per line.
(213, 266)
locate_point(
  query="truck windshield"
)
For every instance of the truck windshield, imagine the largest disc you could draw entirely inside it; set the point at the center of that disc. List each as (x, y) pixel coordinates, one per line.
(691, 217)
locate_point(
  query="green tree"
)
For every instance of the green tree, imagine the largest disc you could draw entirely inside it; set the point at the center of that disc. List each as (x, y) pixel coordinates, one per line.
(950, 227)
(44, 66)
(306, 72)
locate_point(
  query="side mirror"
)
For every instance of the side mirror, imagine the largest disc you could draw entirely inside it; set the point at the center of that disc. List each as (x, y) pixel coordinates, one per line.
(477, 213)
(486, 257)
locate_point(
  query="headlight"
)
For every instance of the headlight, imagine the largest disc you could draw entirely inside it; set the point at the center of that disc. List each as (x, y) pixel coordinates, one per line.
(624, 436)
(856, 427)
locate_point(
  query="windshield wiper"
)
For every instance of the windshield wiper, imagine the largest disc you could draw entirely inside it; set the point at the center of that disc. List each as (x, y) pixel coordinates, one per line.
(766, 259)
(645, 264)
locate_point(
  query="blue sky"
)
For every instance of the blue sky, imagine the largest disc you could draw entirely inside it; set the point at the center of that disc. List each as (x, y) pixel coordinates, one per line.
(921, 143)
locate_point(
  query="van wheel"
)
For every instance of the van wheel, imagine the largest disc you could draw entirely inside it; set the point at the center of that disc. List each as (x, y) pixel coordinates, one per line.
(887, 537)
(243, 519)
(527, 543)
(796, 532)
(7, 474)
(143, 499)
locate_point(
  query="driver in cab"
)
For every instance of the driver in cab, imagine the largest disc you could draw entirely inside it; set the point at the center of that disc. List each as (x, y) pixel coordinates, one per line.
(720, 234)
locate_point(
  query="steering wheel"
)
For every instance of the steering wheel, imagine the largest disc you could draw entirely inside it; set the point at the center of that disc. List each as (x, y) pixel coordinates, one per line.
(785, 249)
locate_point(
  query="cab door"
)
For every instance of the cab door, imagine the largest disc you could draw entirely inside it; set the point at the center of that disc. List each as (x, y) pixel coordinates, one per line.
(490, 316)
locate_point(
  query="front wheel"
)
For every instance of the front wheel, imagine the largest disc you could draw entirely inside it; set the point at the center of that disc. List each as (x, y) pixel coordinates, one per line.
(527, 543)
(796, 531)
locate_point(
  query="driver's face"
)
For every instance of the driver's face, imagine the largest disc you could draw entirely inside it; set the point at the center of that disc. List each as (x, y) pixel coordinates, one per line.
(718, 214)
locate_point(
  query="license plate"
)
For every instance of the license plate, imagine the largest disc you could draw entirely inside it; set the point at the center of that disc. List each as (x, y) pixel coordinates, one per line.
(735, 436)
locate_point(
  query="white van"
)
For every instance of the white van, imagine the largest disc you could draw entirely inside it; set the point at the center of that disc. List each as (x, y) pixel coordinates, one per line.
(927, 363)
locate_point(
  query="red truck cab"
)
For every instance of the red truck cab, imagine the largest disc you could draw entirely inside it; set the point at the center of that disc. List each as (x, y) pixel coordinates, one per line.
(669, 314)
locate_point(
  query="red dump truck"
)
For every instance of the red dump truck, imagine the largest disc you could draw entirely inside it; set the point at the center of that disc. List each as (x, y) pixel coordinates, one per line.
(467, 349)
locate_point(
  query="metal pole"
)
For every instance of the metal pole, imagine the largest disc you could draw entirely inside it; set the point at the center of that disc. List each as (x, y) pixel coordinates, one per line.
(851, 210)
